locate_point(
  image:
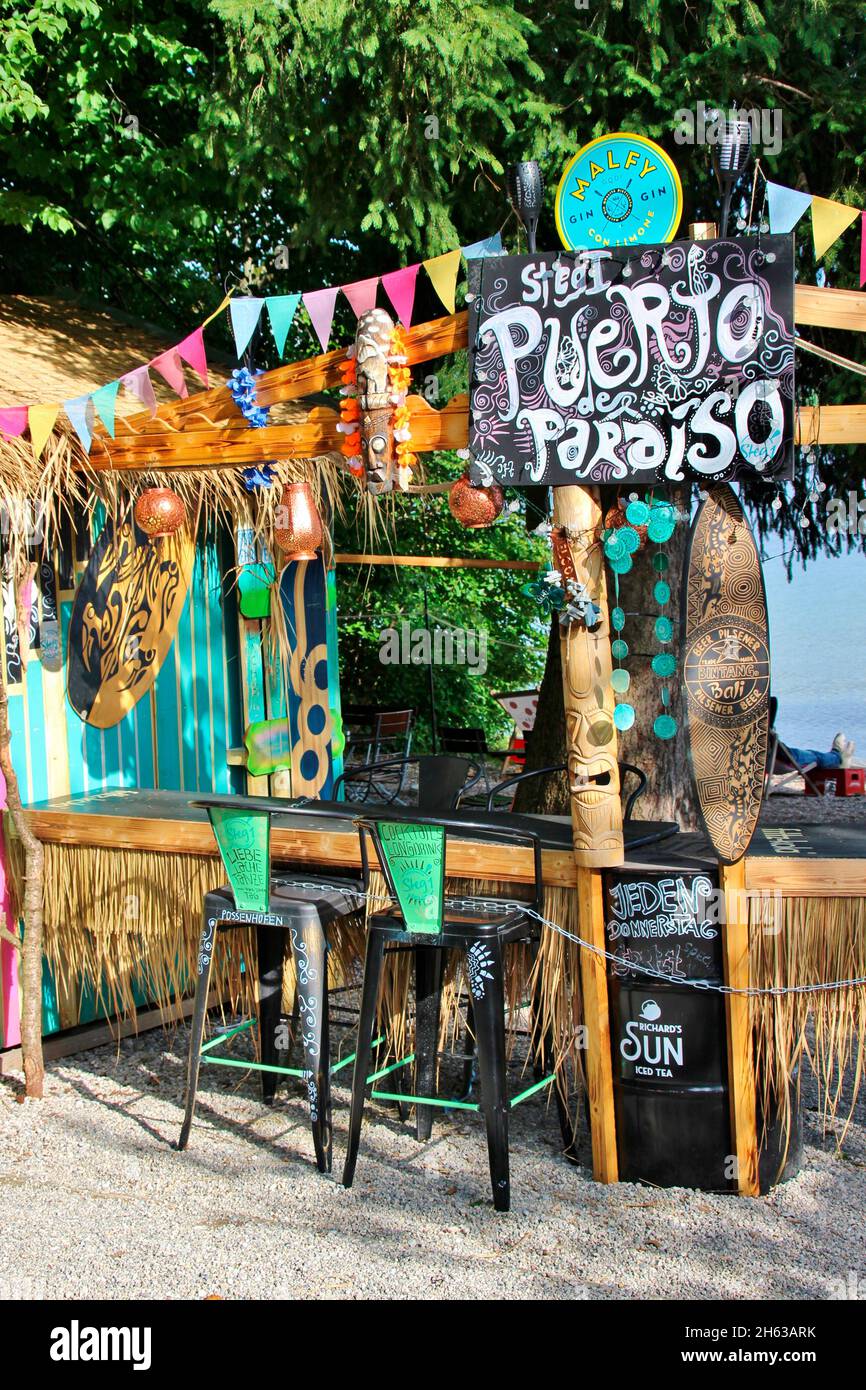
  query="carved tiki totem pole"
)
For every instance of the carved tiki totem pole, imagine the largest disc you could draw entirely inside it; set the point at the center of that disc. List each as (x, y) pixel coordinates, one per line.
(593, 770)
(372, 346)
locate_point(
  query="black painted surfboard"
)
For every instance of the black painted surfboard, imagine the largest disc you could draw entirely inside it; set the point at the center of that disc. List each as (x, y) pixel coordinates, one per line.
(726, 671)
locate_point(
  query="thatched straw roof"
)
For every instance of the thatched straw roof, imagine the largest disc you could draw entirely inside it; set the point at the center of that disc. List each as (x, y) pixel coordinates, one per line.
(54, 349)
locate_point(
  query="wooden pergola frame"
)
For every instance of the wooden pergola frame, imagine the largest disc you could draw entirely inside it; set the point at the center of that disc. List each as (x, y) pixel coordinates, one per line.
(208, 431)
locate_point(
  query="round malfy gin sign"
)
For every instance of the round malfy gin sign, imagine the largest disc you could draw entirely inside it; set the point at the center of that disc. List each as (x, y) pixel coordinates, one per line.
(619, 190)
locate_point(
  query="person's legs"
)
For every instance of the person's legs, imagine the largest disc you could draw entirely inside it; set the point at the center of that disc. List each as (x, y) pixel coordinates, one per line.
(812, 757)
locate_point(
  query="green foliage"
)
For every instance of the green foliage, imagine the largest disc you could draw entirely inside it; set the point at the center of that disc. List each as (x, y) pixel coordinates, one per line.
(490, 602)
(148, 155)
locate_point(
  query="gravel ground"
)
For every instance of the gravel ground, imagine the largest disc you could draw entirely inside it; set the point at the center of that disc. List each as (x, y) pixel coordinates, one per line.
(95, 1202)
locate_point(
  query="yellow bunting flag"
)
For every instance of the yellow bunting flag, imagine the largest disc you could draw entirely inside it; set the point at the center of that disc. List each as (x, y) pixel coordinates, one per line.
(218, 310)
(829, 220)
(41, 420)
(443, 272)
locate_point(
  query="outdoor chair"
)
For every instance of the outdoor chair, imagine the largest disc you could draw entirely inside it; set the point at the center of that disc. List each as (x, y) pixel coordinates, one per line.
(285, 913)
(624, 769)
(471, 742)
(377, 734)
(781, 760)
(418, 916)
(442, 781)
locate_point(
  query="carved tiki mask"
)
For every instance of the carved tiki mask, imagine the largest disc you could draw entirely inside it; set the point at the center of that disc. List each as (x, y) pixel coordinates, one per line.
(372, 345)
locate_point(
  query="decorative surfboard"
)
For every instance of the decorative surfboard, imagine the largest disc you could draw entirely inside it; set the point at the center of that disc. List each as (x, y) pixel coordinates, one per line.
(124, 619)
(312, 682)
(49, 627)
(726, 671)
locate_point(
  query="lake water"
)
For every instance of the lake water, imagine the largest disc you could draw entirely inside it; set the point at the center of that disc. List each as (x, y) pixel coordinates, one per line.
(818, 648)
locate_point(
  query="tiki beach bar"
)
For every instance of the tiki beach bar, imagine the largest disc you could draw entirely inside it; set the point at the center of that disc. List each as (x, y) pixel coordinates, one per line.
(211, 830)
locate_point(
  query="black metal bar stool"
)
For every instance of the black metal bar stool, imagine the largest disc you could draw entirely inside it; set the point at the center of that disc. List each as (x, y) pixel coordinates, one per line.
(285, 912)
(411, 856)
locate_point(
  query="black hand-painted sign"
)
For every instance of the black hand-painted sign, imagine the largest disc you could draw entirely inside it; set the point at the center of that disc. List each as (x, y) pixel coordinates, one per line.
(648, 365)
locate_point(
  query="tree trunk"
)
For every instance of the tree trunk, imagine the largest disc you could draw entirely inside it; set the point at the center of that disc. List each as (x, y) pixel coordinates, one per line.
(670, 793)
(31, 948)
(547, 796)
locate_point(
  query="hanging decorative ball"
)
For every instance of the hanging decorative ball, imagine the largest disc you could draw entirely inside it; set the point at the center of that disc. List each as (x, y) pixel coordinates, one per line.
(299, 535)
(623, 717)
(159, 512)
(475, 507)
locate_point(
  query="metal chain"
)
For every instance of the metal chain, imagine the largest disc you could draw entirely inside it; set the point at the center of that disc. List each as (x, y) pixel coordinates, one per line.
(633, 967)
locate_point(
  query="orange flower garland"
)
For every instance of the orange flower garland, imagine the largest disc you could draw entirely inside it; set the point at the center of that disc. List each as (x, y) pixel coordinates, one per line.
(400, 379)
(350, 415)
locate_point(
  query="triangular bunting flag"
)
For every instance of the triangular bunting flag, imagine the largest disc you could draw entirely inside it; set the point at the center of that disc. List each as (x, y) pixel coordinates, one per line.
(245, 314)
(443, 273)
(786, 206)
(863, 248)
(281, 312)
(78, 410)
(140, 384)
(103, 403)
(399, 285)
(320, 307)
(362, 295)
(42, 418)
(829, 220)
(490, 246)
(169, 366)
(13, 421)
(192, 352)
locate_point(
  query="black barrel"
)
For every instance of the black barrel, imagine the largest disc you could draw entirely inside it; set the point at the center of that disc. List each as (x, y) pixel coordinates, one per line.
(670, 1072)
(669, 1040)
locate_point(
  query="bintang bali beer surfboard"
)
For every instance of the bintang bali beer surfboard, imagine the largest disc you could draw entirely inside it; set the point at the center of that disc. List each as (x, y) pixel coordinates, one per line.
(726, 671)
(124, 618)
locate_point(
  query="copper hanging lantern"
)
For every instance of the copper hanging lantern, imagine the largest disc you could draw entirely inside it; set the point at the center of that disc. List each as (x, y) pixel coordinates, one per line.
(301, 535)
(475, 506)
(159, 512)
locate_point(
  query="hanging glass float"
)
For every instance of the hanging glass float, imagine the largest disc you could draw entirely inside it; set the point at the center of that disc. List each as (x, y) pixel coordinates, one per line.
(301, 534)
(475, 507)
(159, 512)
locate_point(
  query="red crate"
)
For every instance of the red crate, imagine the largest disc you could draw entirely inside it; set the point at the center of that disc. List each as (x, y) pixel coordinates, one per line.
(837, 781)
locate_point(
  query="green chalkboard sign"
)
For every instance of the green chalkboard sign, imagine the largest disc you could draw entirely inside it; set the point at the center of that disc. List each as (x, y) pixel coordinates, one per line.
(244, 841)
(414, 861)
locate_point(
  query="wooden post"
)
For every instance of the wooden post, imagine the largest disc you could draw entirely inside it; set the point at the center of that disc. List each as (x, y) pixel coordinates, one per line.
(596, 811)
(596, 1017)
(741, 1065)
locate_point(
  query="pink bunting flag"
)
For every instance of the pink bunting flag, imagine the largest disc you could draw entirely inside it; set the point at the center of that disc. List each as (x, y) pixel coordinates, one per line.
(14, 420)
(399, 286)
(863, 248)
(140, 384)
(192, 352)
(168, 365)
(362, 295)
(320, 307)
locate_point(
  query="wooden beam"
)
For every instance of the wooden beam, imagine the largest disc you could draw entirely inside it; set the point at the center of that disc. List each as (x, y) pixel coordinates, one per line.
(233, 446)
(741, 1064)
(596, 1017)
(438, 562)
(823, 308)
(424, 342)
(831, 424)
